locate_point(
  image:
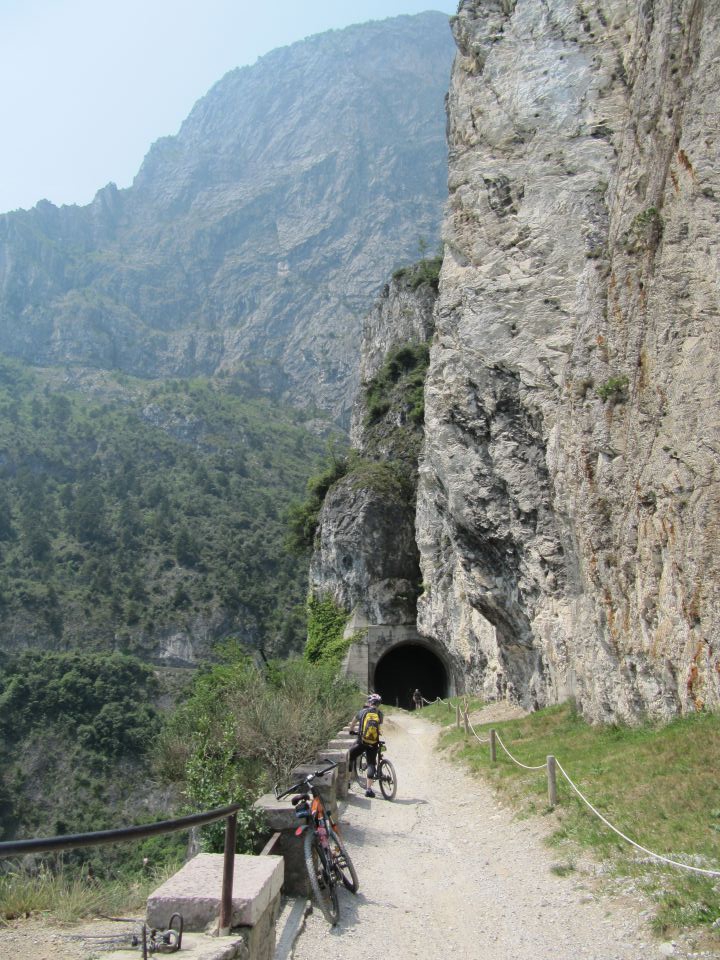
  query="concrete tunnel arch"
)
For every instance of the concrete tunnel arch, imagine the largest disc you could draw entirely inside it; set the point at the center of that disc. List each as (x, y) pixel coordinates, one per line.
(407, 666)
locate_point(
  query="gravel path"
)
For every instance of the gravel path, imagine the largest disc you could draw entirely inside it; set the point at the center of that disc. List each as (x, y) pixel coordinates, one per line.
(446, 871)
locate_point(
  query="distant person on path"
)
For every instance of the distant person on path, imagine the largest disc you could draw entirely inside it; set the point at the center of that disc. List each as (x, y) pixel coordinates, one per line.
(417, 699)
(367, 725)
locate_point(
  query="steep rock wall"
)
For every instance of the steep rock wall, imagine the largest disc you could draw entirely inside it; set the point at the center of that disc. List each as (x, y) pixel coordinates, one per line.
(568, 500)
(366, 556)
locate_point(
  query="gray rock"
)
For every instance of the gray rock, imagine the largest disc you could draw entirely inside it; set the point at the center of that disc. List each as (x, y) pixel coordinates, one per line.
(567, 500)
(256, 240)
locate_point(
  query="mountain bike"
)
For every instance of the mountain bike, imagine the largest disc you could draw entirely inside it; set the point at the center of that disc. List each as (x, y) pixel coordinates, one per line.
(385, 773)
(326, 858)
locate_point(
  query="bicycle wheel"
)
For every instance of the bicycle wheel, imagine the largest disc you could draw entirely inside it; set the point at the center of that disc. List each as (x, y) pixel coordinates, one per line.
(361, 770)
(388, 779)
(322, 878)
(343, 864)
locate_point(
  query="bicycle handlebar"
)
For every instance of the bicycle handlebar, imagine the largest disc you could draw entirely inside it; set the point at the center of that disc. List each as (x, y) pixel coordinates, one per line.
(306, 780)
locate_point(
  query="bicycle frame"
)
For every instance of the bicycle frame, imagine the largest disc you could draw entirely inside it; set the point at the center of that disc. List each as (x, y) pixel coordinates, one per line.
(316, 810)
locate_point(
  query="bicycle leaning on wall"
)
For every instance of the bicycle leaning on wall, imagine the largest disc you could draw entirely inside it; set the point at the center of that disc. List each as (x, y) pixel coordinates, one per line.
(326, 858)
(385, 773)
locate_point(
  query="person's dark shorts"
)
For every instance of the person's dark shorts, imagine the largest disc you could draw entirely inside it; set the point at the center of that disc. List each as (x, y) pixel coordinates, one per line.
(370, 752)
(372, 756)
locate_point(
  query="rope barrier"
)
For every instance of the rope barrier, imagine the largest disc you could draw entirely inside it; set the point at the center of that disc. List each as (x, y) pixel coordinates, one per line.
(657, 856)
(479, 739)
(542, 766)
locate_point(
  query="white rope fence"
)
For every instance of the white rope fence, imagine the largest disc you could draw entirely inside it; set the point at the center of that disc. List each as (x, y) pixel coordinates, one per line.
(541, 766)
(550, 765)
(657, 856)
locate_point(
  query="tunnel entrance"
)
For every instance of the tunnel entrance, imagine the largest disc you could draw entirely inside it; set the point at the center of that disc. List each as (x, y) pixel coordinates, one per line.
(406, 667)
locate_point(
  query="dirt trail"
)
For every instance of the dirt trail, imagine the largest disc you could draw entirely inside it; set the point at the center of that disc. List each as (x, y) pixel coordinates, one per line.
(446, 871)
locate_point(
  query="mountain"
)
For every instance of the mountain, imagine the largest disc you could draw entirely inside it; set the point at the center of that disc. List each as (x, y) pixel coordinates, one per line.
(257, 238)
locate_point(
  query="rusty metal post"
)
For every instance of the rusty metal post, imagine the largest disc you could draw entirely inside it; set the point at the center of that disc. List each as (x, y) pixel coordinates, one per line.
(467, 723)
(228, 871)
(493, 748)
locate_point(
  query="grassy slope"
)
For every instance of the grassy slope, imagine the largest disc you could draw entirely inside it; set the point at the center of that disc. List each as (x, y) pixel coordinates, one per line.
(658, 785)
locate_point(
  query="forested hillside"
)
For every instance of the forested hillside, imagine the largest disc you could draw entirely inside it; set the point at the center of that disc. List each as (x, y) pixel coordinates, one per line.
(75, 733)
(149, 518)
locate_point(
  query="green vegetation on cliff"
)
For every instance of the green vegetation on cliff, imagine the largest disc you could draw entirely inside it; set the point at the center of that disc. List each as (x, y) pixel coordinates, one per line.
(302, 516)
(326, 643)
(392, 436)
(426, 270)
(399, 385)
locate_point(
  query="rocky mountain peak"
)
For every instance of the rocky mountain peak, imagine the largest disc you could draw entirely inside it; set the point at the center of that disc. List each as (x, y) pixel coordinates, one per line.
(260, 234)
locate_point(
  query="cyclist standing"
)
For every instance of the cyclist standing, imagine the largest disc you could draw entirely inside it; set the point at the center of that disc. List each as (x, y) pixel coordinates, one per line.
(366, 724)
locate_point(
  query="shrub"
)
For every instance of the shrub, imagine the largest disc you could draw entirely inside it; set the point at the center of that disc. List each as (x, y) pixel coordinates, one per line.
(613, 389)
(399, 383)
(243, 729)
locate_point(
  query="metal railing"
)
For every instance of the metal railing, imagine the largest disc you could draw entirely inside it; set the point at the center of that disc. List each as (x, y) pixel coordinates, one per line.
(16, 848)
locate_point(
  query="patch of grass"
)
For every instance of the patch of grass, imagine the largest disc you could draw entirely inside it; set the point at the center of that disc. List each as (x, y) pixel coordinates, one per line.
(658, 785)
(69, 896)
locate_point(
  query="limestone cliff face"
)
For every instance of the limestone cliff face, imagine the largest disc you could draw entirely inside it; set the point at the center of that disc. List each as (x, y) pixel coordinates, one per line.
(258, 237)
(366, 556)
(568, 501)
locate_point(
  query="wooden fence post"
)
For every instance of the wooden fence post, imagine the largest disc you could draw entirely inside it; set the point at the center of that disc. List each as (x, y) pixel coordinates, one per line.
(467, 723)
(228, 871)
(457, 715)
(552, 781)
(493, 752)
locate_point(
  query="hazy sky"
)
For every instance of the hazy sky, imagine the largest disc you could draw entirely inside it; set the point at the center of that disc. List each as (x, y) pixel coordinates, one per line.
(88, 85)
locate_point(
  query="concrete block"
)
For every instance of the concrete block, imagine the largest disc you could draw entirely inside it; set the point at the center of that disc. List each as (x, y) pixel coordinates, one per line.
(195, 891)
(341, 757)
(278, 814)
(326, 785)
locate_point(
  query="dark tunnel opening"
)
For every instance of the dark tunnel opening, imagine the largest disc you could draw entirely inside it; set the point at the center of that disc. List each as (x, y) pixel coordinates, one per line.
(407, 667)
